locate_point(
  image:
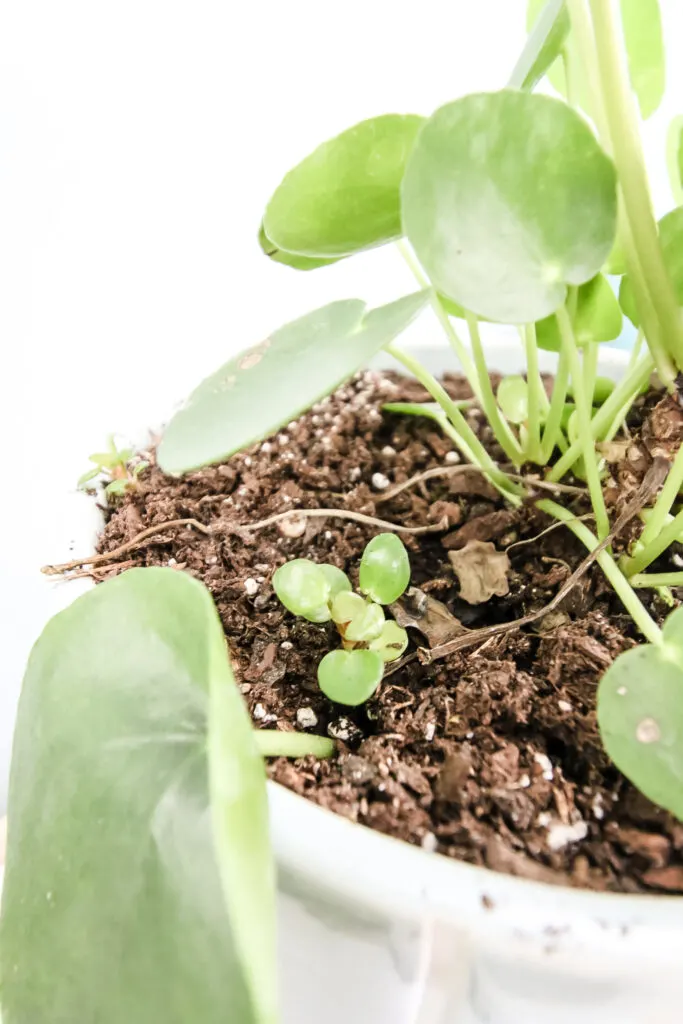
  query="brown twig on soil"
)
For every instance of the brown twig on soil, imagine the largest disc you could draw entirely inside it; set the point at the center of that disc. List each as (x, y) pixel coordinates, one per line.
(339, 513)
(438, 471)
(122, 549)
(653, 480)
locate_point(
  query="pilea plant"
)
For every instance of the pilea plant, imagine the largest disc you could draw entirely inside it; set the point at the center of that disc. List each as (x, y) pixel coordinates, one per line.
(509, 207)
(137, 781)
(321, 593)
(115, 466)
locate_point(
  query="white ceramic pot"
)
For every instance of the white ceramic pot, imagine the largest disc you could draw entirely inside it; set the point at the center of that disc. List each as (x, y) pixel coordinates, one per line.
(375, 931)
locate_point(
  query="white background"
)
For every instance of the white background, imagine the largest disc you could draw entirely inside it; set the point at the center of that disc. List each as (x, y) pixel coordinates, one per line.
(139, 141)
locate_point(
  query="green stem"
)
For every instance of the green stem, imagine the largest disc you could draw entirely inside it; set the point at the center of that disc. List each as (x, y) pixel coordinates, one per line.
(583, 415)
(656, 579)
(500, 428)
(553, 426)
(649, 552)
(477, 453)
(630, 600)
(273, 743)
(622, 125)
(625, 392)
(664, 503)
(537, 398)
(590, 370)
(453, 338)
(620, 417)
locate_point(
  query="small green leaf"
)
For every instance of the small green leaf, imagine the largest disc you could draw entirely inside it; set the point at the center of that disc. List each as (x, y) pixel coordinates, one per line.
(116, 487)
(597, 317)
(507, 199)
(548, 30)
(642, 24)
(392, 641)
(346, 606)
(88, 476)
(602, 389)
(106, 460)
(674, 157)
(287, 258)
(140, 467)
(384, 568)
(344, 197)
(259, 390)
(338, 581)
(513, 398)
(139, 878)
(304, 589)
(432, 410)
(616, 261)
(350, 677)
(671, 238)
(367, 624)
(640, 715)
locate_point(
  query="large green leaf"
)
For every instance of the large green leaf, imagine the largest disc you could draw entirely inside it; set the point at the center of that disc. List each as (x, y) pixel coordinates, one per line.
(274, 382)
(642, 23)
(122, 902)
(597, 317)
(548, 26)
(640, 714)
(671, 238)
(345, 196)
(289, 259)
(507, 199)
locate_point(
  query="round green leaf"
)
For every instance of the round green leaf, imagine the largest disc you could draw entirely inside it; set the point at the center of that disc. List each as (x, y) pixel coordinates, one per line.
(304, 589)
(139, 883)
(513, 398)
(289, 259)
(366, 625)
(597, 317)
(350, 677)
(671, 238)
(384, 568)
(263, 388)
(338, 581)
(602, 389)
(345, 196)
(392, 641)
(640, 715)
(642, 25)
(507, 199)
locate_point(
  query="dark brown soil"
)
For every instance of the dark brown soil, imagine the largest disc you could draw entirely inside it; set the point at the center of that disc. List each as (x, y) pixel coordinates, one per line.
(492, 755)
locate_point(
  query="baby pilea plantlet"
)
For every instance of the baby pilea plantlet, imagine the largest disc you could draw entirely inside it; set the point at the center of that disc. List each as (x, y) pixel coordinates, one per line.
(507, 207)
(323, 593)
(114, 465)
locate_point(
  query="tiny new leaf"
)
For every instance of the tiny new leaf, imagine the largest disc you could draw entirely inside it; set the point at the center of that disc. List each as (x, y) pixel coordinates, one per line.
(384, 568)
(640, 715)
(350, 677)
(272, 383)
(345, 196)
(139, 883)
(507, 199)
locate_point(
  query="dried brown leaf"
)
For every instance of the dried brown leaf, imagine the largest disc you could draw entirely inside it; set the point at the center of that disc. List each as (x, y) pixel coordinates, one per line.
(417, 610)
(481, 570)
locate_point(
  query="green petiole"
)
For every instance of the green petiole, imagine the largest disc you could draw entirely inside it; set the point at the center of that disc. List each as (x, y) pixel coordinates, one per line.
(480, 457)
(664, 503)
(583, 413)
(656, 579)
(500, 428)
(646, 554)
(274, 743)
(552, 431)
(640, 615)
(624, 393)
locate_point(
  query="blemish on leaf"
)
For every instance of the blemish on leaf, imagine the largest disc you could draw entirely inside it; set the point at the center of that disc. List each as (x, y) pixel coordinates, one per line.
(648, 731)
